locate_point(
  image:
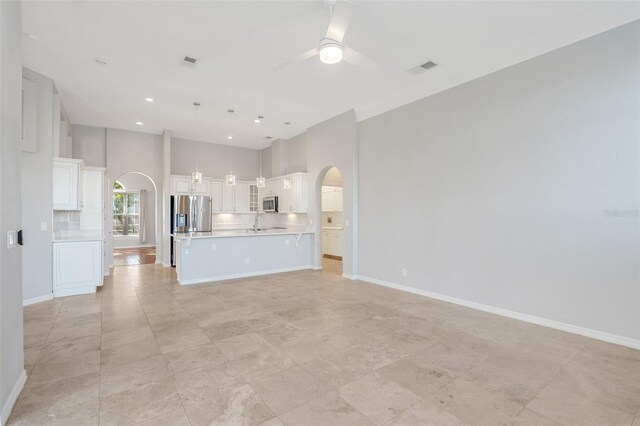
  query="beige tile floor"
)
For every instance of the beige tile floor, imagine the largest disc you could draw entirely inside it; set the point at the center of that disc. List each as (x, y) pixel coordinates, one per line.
(307, 348)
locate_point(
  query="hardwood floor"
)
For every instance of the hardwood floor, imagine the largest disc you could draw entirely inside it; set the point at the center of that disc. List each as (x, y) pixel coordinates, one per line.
(306, 347)
(134, 256)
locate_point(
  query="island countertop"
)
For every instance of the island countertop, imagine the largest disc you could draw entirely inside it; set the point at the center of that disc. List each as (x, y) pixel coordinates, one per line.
(229, 233)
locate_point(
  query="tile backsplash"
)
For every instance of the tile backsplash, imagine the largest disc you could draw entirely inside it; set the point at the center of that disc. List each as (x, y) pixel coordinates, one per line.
(332, 219)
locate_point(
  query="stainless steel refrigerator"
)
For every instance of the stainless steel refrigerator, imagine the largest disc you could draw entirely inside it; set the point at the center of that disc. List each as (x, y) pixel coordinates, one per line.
(189, 213)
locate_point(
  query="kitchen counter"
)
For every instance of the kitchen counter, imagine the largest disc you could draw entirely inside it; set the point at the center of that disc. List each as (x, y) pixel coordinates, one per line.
(227, 233)
(226, 254)
(69, 236)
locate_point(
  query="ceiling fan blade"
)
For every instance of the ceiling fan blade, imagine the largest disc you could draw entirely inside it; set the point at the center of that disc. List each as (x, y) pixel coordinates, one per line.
(298, 58)
(340, 18)
(358, 59)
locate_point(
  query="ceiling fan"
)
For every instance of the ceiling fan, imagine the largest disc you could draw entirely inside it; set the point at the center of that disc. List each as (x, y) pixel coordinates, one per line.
(330, 49)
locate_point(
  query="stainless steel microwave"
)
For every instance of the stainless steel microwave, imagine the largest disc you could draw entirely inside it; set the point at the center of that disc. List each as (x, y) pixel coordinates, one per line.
(270, 204)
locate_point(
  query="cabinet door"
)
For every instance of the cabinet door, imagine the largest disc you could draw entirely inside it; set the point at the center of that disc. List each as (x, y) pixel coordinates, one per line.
(228, 203)
(338, 245)
(216, 197)
(66, 181)
(325, 242)
(254, 204)
(241, 197)
(92, 216)
(202, 188)
(334, 244)
(77, 264)
(338, 200)
(180, 186)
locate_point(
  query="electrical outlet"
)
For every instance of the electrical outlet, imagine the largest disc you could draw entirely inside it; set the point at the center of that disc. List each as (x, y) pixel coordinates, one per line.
(246, 260)
(214, 247)
(404, 272)
(43, 226)
(346, 222)
(286, 242)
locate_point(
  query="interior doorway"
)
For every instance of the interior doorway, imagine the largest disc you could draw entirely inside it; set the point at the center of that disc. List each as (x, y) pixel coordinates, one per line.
(331, 208)
(134, 212)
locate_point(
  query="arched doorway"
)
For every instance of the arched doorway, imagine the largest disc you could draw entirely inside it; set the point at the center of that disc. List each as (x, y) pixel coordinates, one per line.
(134, 220)
(331, 203)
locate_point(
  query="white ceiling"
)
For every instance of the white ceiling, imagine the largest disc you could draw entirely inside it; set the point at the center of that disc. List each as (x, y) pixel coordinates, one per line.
(238, 42)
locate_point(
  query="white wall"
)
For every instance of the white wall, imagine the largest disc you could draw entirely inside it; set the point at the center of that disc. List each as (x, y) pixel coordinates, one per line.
(137, 182)
(90, 144)
(137, 152)
(12, 374)
(37, 196)
(332, 178)
(519, 190)
(266, 162)
(213, 160)
(333, 144)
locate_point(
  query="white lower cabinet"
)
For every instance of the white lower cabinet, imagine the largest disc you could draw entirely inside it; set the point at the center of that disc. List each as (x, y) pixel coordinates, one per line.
(332, 242)
(77, 267)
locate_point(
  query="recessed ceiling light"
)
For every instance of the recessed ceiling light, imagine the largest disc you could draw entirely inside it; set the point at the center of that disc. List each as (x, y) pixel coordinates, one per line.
(257, 120)
(139, 123)
(149, 99)
(229, 137)
(101, 61)
(31, 36)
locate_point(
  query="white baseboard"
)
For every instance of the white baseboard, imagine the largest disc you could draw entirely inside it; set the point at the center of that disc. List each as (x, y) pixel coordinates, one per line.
(317, 268)
(63, 292)
(12, 398)
(166, 265)
(350, 277)
(570, 328)
(38, 299)
(243, 275)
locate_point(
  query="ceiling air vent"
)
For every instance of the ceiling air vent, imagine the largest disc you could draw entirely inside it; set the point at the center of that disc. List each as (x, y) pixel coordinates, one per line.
(268, 137)
(422, 68)
(428, 65)
(189, 61)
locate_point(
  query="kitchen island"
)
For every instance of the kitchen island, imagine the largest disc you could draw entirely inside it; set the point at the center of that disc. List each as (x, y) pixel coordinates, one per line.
(226, 254)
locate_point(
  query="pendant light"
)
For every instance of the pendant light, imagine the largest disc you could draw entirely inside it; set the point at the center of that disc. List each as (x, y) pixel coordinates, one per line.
(287, 181)
(196, 176)
(261, 182)
(230, 179)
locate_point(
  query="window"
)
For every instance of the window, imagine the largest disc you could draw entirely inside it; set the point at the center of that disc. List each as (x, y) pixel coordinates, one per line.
(126, 211)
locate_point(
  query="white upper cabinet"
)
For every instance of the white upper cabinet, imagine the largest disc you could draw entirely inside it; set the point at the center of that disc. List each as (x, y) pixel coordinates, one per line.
(216, 197)
(183, 185)
(292, 200)
(67, 184)
(235, 199)
(228, 199)
(93, 203)
(331, 199)
(29, 115)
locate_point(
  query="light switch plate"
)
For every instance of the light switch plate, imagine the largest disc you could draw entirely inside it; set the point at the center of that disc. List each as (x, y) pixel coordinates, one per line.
(43, 226)
(12, 239)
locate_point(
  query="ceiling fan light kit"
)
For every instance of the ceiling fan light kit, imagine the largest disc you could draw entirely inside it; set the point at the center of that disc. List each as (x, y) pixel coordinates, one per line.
(330, 51)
